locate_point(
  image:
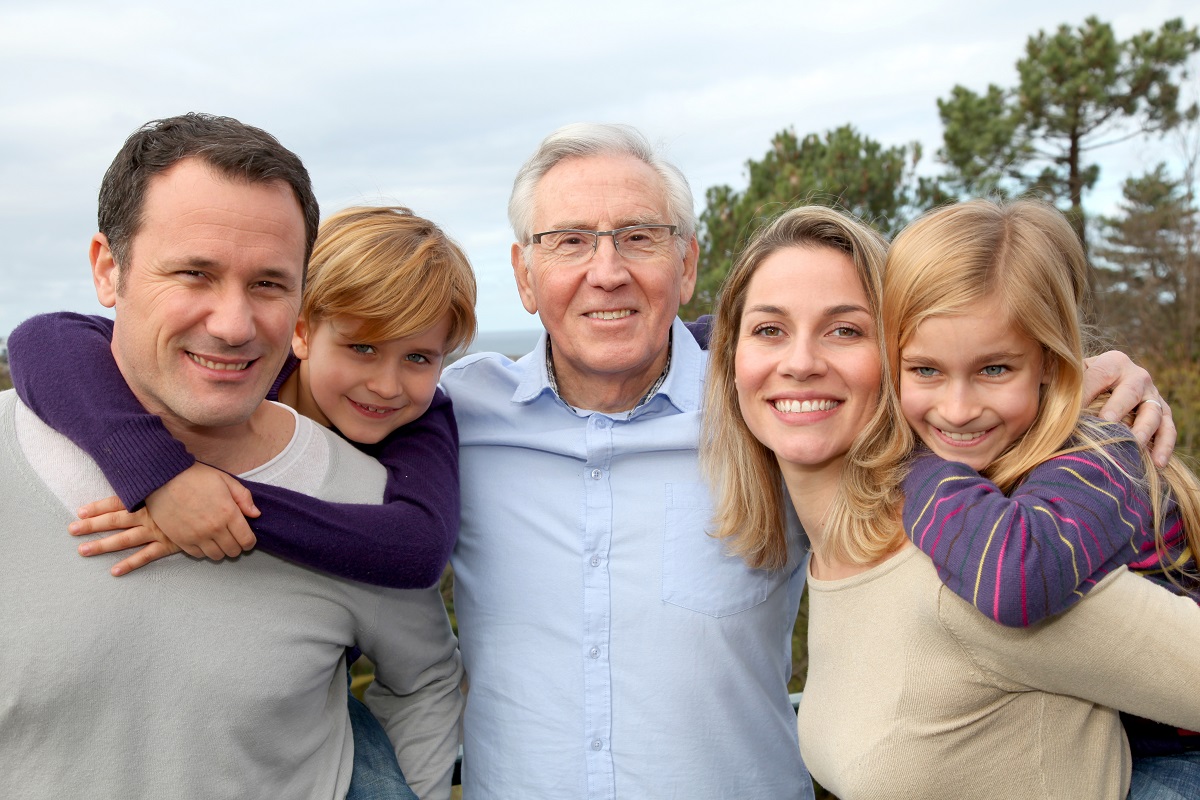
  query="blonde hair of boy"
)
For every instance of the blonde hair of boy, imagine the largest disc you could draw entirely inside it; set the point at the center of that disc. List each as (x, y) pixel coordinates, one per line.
(396, 273)
(1025, 254)
(863, 523)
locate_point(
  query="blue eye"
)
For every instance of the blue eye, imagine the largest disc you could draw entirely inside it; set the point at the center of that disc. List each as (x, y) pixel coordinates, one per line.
(362, 349)
(417, 358)
(994, 370)
(925, 372)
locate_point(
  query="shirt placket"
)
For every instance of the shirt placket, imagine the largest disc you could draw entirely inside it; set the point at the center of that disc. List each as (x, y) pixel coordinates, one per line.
(597, 608)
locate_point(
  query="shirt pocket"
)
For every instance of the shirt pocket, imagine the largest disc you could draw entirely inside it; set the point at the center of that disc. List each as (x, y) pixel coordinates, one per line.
(699, 573)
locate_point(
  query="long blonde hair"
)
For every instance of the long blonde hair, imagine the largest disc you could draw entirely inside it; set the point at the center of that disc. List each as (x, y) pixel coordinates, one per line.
(745, 475)
(1024, 254)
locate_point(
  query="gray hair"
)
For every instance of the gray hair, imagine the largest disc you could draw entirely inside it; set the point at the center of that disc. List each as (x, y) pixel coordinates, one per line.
(582, 139)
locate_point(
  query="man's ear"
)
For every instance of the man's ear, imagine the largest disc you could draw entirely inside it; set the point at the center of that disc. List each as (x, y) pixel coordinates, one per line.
(524, 279)
(688, 282)
(104, 270)
(300, 339)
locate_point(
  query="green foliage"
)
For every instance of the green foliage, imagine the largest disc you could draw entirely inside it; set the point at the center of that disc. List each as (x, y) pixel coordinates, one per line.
(840, 168)
(1078, 88)
(1149, 280)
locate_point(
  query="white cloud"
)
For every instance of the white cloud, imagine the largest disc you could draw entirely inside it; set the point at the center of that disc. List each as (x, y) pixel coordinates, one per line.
(436, 107)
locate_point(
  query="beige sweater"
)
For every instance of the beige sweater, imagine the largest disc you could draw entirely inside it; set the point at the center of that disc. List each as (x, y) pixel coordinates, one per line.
(912, 693)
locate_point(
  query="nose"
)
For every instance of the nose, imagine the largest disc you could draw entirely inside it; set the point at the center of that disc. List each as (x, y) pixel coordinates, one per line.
(607, 268)
(231, 320)
(802, 359)
(958, 404)
(385, 383)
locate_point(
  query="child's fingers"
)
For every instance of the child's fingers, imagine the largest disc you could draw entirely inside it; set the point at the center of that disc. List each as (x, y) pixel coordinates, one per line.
(131, 537)
(241, 496)
(242, 534)
(105, 506)
(151, 552)
(112, 521)
(213, 549)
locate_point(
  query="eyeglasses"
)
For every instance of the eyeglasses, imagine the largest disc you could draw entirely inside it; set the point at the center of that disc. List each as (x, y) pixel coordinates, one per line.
(576, 247)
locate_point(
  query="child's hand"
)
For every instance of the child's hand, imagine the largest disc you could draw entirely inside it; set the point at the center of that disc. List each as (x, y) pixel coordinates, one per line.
(110, 514)
(201, 511)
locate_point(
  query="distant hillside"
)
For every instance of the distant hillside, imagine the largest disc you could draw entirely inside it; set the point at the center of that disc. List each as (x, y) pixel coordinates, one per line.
(511, 343)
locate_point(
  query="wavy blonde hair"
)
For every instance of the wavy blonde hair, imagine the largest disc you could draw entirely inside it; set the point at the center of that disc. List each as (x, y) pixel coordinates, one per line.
(396, 273)
(863, 520)
(1024, 254)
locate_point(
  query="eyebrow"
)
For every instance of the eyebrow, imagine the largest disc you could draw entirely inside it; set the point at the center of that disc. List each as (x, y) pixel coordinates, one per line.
(279, 274)
(576, 225)
(832, 311)
(986, 358)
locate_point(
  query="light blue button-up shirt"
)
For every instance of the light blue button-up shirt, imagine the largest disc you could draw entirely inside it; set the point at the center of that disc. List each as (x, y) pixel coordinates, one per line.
(613, 648)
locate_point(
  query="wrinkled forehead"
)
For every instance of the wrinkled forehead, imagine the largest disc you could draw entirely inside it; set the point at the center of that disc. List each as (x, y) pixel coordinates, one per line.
(599, 192)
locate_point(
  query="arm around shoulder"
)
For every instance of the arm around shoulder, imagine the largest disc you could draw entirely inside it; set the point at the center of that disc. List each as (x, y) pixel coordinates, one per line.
(63, 369)
(1023, 557)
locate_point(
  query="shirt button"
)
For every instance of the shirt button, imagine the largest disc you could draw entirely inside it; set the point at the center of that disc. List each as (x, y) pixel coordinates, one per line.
(595, 561)
(597, 744)
(594, 652)
(596, 474)
(601, 423)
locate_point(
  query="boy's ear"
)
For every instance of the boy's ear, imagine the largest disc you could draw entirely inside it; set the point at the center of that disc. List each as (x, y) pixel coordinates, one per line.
(300, 339)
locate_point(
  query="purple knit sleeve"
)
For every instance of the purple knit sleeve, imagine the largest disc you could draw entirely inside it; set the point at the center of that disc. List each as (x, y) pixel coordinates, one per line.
(63, 369)
(402, 544)
(1024, 557)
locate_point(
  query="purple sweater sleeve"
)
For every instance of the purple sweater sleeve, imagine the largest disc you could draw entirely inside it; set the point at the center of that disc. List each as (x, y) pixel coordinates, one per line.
(63, 369)
(1024, 557)
(403, 543)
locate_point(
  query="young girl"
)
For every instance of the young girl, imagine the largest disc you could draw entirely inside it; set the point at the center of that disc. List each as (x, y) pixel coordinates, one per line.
(1023, 503)
(388, 295)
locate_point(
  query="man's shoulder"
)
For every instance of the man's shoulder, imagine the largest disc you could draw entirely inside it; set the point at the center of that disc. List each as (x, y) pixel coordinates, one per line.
(321, 463)
(486, 373)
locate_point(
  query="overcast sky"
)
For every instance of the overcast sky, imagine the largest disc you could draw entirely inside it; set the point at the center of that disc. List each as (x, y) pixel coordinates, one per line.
(436, 105)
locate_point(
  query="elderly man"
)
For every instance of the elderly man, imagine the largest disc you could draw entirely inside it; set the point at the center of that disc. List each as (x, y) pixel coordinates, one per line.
(613, 648)
(203, 679)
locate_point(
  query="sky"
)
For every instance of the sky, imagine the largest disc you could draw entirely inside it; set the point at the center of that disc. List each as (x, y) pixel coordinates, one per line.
(435, 106)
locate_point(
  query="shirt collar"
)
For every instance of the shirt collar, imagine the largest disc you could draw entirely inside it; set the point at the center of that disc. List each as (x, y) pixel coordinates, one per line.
(678, 383)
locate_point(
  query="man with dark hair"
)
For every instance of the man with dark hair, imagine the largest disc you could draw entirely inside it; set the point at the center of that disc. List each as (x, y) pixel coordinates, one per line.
(201, 679)
(237, 151)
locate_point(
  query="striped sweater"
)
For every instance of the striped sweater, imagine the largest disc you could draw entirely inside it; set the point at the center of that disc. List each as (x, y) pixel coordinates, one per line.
(1022, 557)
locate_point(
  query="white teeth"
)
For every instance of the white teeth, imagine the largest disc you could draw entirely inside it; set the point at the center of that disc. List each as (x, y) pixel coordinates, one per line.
(374, 409)
(804, 406)
(622, 314)
(219, 365)
(962, 437)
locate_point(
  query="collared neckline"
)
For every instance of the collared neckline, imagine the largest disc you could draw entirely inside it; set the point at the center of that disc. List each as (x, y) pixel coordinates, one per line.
(684, 368)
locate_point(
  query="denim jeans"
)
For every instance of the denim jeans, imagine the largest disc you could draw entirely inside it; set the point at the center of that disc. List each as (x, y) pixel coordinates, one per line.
(1166, 777)
(376, 776)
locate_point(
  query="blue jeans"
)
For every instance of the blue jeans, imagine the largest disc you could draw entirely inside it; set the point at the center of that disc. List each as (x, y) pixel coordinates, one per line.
(376, 776)
(1166, 777)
